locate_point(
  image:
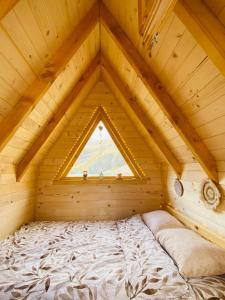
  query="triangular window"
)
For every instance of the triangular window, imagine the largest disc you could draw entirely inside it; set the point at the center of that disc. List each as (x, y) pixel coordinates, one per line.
(99, 153)
(100, 157)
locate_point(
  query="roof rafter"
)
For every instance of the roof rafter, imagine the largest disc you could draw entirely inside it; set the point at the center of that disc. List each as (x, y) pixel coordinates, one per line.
(36, 90)
(142, 116)
(54, 121)
(161, 96)
(6, 6)
(206, 29)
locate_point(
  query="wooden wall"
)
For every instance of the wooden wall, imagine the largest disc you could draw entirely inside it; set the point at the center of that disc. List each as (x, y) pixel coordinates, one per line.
(30, 34)
(99, 201)
(197, 87)
(48, 104)
(16, 199)
(191, 204)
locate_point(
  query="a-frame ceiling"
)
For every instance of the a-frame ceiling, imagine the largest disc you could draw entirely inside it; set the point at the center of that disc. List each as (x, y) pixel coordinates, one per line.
(142, 194)
(50, 64)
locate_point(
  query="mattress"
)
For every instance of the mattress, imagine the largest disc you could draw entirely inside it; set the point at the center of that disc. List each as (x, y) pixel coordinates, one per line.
(104, 260)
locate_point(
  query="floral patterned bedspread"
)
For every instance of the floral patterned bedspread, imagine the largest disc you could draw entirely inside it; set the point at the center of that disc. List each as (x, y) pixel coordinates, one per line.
(105, 260)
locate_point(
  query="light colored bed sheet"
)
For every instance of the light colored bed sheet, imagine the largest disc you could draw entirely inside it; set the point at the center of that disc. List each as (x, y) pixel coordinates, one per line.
(94, 261)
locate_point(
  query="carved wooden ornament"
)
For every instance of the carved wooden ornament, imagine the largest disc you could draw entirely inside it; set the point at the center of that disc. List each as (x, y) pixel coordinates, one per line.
(211, 195)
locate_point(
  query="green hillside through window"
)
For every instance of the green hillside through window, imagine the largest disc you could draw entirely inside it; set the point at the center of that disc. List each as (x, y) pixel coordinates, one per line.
(100, 157)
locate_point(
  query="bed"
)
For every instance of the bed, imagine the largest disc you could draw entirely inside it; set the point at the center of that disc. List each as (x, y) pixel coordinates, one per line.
(105, 260)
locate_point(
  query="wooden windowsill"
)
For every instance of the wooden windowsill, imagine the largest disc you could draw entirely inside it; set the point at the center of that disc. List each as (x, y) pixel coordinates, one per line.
(97, 180)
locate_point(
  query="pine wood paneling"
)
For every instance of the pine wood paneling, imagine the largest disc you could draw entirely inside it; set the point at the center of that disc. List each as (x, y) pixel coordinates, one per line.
(140, 113)
(187, 73)
(98, 201)
(30, 34)
(58, 115)
(48, 104)
(160, 95)
(205, 27)
(16, 199)
(190, 203)
(197, 88)
(56, 68)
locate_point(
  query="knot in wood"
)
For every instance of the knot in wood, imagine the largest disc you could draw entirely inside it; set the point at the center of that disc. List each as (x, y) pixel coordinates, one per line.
(196, 139)
(175, 119)
(159, 86)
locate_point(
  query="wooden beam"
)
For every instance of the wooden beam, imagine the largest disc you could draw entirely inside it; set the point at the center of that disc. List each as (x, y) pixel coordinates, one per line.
(161, 96)
(206, 29)
(142, 116)
(36, 90)
(54, 121)
(6, 6)
(153, 15)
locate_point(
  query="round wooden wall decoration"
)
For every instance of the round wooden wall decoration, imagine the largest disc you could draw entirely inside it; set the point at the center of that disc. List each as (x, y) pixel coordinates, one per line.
(178, 186)
(211, 194)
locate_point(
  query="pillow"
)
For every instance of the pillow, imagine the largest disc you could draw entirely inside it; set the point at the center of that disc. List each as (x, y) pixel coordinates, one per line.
(160, 219)
(194, 256)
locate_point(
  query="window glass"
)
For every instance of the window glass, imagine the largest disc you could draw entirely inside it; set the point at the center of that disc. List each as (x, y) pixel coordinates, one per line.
(100, 157)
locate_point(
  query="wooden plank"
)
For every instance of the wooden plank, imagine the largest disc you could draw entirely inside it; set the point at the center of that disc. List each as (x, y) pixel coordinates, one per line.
(143, 117)
(6, 6)
(163, 99)
(205, 27)
(54, 121)
(13, 216)
(36, 90)
(154, 16)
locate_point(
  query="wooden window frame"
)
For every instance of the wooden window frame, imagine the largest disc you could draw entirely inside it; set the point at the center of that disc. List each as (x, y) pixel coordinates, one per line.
(99, 114)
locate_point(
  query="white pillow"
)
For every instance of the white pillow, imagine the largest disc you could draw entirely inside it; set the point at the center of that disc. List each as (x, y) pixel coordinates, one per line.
(160, 219)
(194, 256)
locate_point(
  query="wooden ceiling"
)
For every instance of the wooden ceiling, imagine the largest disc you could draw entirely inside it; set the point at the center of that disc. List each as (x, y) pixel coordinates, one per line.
(53, 52)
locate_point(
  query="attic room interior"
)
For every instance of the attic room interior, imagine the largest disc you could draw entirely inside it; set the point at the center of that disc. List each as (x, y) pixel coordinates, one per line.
(112, 149)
